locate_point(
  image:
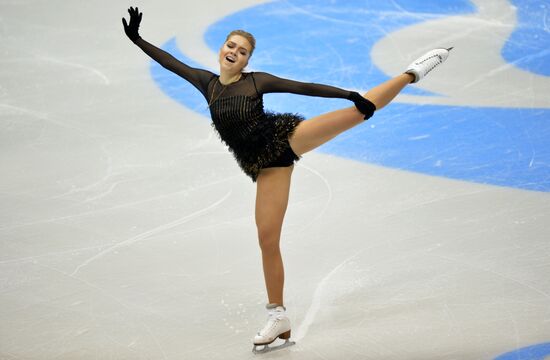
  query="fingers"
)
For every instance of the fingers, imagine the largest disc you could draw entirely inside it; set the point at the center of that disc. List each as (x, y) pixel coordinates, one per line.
(131, 27)
(134, 13)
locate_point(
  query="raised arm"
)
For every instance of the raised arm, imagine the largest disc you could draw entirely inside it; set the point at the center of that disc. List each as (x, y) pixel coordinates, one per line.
(198, 77)
(267, 83)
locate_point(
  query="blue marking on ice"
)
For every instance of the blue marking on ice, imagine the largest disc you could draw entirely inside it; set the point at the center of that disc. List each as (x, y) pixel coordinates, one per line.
(535, 352)
(529, 45)
(176, 87)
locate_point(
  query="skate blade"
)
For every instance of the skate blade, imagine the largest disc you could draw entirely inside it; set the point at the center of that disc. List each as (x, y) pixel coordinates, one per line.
(262, 349)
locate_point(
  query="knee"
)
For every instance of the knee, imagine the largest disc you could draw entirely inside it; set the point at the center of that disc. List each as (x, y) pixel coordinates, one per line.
(268, 237)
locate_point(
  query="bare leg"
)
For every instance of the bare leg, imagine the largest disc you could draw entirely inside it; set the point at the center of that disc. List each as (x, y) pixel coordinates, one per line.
(320, 129)
(272, 193)
(384, 93)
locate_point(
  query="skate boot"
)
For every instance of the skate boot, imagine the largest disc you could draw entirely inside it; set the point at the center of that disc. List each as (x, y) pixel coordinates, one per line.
(278, 326)
(427, 62)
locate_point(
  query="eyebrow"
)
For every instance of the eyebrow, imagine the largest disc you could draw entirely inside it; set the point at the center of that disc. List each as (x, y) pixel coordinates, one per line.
(240, 47)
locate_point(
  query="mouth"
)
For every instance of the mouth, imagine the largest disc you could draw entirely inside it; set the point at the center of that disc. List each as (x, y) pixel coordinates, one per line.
(231, 59)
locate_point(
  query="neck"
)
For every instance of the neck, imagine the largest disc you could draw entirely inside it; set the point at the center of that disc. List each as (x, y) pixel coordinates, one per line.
(227, 79)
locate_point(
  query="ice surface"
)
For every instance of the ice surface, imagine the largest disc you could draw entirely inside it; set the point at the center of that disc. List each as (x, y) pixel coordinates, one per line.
(127, 230)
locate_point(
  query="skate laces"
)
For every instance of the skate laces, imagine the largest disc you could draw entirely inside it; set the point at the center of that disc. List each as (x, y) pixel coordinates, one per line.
(275, 315)
(271, 323)
(431, 62)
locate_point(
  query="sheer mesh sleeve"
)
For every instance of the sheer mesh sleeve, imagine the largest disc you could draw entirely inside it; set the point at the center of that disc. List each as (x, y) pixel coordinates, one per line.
(267, 83)
(197, 77)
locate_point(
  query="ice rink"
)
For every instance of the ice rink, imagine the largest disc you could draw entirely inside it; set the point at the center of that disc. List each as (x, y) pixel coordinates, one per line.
(127, 229)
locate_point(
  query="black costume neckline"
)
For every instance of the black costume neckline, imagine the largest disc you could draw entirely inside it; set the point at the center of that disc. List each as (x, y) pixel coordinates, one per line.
(243, 76)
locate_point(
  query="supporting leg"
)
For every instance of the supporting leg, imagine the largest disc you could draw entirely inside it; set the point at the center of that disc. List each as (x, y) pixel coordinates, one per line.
(272, 193)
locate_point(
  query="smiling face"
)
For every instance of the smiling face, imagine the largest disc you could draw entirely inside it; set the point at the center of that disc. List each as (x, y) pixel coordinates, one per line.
(234, 54)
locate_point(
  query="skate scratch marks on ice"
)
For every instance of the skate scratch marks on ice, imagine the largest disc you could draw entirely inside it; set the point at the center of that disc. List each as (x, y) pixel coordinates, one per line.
(316, 301)
(93, 70)
(152, 232)
(122, 303)
(319, 214)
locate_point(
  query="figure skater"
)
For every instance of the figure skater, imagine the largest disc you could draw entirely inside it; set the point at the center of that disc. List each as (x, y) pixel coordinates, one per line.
(266, 145)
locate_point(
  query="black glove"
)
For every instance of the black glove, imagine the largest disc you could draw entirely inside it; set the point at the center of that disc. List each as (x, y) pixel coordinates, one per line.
(366, 107)
(132, 29)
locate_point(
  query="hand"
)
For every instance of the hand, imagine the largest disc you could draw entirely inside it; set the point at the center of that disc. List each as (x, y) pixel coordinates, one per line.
(362, 104)
(132, 29)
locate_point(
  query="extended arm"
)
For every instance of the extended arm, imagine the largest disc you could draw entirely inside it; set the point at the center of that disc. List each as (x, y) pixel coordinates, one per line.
(198, 77)
(267, 83)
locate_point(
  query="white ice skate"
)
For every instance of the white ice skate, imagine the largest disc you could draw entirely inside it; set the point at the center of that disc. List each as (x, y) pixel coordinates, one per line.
(427, 62)
(278, 326)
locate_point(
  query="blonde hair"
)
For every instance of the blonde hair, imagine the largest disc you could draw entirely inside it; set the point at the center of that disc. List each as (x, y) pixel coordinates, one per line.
(248, 36)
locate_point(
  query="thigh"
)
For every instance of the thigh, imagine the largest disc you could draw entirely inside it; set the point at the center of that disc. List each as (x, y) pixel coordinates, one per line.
(285, 159)
(316, 131)
(272, 193)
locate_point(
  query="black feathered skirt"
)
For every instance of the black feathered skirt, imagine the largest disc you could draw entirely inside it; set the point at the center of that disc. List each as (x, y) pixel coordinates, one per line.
(262, 142)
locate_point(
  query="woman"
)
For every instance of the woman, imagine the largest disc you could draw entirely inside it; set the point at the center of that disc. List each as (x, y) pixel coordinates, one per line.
(266, 145)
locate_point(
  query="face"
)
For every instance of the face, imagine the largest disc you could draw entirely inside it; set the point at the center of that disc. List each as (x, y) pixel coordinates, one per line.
(234, 54)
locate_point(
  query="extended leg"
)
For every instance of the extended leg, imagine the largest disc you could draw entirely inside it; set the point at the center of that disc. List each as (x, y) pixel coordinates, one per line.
(320, 129)
(317, 131)
(384, 93)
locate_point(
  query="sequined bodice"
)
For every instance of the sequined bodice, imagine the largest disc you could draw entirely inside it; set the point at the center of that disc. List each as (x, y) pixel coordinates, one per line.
(236, 117)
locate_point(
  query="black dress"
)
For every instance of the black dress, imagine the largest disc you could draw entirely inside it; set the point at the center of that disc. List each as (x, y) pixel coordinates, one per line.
(257, 139)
